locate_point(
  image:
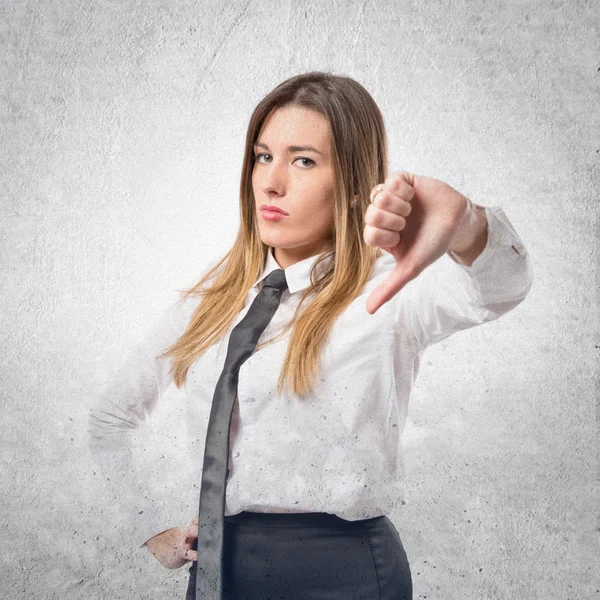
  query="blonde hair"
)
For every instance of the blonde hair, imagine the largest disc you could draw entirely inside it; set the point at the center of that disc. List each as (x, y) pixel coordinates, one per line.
(359, 156)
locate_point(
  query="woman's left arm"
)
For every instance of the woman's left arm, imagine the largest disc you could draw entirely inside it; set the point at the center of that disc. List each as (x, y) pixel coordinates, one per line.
(490, 271)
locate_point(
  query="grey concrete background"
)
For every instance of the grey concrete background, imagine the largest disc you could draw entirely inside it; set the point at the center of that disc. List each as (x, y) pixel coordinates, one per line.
(122, 134)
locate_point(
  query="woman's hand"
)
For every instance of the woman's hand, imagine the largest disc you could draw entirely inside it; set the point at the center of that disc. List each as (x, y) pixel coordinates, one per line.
(175, 547)
(414, 218)
(190, 535)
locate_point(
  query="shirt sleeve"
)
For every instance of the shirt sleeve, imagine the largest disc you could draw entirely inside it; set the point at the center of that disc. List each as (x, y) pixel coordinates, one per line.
(449, 296)
(129, 398)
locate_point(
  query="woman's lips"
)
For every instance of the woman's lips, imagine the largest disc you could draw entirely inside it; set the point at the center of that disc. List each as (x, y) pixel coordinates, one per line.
(272, 215)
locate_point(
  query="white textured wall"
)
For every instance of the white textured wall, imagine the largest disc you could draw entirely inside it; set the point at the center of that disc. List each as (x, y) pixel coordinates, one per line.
(122, 132)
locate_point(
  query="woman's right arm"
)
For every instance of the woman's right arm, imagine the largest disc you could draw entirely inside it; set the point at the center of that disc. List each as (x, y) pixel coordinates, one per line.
(127, 401)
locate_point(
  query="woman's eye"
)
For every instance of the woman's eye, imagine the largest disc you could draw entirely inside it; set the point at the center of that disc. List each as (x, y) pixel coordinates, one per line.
(305, 158)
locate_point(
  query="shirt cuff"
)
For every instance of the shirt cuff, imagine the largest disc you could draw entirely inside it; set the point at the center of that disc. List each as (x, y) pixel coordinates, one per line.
(503, 270)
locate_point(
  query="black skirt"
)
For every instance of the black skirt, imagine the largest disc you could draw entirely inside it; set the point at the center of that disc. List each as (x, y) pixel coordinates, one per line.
(306, 556)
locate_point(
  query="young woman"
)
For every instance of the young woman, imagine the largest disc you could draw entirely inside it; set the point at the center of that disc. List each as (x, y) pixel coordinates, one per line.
(316, 460)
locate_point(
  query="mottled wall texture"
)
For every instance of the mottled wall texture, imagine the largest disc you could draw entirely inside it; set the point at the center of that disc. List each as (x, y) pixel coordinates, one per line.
(122, 133)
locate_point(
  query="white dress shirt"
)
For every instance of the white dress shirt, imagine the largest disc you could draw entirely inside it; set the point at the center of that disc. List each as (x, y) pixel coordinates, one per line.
(340, 449)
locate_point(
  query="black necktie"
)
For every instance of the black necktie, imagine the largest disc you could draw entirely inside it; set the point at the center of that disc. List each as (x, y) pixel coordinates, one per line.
(243, 339)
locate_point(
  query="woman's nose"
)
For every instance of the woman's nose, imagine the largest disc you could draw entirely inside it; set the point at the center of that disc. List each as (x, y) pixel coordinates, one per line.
(274, 177)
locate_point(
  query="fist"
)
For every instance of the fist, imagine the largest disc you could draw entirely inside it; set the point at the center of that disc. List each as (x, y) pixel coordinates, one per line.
(437, 212)
(386, 215)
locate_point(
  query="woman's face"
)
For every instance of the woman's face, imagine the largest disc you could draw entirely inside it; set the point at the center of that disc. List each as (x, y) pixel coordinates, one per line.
(298, 181)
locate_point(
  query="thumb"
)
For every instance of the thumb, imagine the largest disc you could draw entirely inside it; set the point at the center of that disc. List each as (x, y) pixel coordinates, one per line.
(388, 288)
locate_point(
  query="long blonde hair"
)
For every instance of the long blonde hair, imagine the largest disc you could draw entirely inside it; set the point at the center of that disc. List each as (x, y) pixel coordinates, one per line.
(359, 154)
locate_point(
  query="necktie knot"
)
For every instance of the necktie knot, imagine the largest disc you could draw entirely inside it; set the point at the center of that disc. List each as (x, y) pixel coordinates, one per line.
(276, 279)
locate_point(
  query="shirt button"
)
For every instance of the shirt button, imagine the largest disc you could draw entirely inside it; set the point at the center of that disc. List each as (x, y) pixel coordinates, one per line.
(496, 236)
(520, 249)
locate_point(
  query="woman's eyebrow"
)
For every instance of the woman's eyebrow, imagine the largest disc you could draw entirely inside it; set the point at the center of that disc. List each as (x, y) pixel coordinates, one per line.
(292, 148)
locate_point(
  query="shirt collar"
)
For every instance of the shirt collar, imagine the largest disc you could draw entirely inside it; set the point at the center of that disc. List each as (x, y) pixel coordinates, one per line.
(297, 275)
